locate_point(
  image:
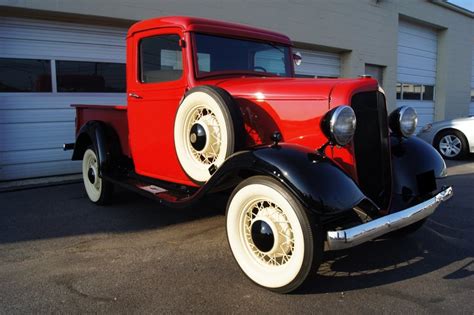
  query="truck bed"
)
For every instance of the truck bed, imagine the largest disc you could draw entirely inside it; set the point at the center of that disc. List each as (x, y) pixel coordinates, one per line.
(113, 115)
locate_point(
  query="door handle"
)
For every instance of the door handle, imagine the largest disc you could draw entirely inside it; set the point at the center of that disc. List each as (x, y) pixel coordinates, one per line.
(134, 95)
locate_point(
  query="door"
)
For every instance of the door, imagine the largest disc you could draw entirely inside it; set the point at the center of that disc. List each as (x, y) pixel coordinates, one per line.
(416, 70)
(318, 64)
(375, 72)
(156, 84)
(43, 64)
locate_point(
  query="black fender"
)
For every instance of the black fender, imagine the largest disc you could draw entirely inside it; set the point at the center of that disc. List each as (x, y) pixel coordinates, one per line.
(415, 167)
(103, 138)
(316, 181)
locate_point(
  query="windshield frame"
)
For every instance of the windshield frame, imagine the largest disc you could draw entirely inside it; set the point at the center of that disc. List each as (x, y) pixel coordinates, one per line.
(242, 72)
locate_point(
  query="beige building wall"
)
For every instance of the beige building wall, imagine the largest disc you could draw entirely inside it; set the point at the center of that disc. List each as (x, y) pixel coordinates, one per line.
(364, 31)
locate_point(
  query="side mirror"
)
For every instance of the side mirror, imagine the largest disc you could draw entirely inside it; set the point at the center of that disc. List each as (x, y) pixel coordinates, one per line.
(297, 59)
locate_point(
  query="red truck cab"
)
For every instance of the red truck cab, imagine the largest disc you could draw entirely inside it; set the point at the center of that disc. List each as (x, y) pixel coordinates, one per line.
(214, 106)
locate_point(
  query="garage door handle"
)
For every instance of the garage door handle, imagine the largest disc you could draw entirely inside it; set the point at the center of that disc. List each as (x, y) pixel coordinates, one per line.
(134, 95)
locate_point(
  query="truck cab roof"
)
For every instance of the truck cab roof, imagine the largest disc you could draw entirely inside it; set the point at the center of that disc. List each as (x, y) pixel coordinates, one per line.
(201, 25)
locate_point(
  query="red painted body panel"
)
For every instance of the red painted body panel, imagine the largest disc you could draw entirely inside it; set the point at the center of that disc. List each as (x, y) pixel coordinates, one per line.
(193, 24)
(293, 106)
(115, 116)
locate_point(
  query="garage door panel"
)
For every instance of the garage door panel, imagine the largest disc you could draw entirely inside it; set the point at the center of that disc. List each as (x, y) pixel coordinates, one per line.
(416, 29)
(23, 101)
(60, 32)
(19, 48)
(319, 63)
(413, 78)
(35, 135)
(417, 62)
(41, 169)
(417, 51)
(33, 126)
(34, 156)
(14, 116)
(417, 58)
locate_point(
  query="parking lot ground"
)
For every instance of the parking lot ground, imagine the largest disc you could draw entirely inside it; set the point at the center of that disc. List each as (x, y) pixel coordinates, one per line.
(60, 253)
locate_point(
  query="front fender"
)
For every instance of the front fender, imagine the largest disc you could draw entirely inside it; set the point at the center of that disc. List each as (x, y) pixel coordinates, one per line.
(316, 181)
(415, 166)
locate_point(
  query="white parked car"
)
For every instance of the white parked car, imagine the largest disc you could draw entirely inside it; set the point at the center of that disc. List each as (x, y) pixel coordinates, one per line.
(453, 139)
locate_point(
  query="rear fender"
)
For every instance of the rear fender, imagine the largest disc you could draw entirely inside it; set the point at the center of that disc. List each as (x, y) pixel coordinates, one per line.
(103, 138)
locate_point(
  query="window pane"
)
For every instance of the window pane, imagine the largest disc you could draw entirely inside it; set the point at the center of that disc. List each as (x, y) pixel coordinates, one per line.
(411, 91)
(25, 75)
(221, 55)
(399, 91)
(82, 76)
(160, 59)
(428, 92)
(270, 60)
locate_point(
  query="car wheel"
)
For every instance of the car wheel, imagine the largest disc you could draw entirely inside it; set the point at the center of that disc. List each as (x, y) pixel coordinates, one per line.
(271, 236)
(98, 190)
(208, 129)
(451, 144)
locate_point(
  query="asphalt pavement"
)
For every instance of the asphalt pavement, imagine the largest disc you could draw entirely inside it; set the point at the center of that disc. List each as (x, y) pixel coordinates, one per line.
(60, 253)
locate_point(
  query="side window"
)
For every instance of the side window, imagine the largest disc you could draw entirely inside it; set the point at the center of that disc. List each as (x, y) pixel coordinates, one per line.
(85, 76)
(160, 59)
(25, 75)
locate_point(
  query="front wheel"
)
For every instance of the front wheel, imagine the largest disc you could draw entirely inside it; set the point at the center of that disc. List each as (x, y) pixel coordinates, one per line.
(98, 190)
(271, 235)
(451, 144)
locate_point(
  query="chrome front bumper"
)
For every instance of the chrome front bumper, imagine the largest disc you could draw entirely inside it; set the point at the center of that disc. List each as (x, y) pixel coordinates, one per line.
(373, 229)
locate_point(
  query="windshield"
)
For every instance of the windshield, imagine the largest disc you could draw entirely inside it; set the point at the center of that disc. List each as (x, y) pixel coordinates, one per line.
(218, 55)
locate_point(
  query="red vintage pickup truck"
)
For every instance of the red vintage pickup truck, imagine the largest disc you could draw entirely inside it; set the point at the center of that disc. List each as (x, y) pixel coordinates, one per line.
(309, 164)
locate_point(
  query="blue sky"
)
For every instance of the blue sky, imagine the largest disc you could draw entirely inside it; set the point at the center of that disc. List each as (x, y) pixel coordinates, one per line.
(468, 4)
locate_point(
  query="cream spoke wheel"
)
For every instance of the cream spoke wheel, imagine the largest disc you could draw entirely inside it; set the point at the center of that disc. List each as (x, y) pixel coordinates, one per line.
(270, 235)
(90, 171)
(204, 132)
(98, 190)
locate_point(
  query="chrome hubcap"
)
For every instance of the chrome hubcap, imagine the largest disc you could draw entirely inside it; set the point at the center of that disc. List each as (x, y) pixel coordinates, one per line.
(450, 145)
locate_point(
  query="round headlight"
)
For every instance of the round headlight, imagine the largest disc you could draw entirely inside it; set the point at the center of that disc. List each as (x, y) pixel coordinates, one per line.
(403, 121)
(339, 125)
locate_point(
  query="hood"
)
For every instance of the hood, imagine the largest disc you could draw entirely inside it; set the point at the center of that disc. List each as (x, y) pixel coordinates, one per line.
(275, 88)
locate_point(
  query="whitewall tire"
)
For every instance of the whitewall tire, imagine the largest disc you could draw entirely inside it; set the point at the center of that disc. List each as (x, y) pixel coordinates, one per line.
(98, 190)
(271, 236)
(206, 127)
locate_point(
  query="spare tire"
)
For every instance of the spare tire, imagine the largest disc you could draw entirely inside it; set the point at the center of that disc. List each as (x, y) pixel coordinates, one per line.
(208, 128)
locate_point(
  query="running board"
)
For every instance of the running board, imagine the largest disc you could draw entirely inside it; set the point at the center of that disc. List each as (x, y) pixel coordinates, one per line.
(171, 198)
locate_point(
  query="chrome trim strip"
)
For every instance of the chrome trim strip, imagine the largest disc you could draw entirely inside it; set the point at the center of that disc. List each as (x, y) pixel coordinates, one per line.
(368, 231)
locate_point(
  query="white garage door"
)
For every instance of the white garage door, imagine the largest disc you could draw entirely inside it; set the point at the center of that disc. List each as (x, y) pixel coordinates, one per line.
(319, 64)
(45, 67)
(471, 106)
(417, 49)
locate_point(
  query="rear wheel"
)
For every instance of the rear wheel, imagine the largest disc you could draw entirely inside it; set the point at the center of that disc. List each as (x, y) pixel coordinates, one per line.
(271, 236)
(98, 190)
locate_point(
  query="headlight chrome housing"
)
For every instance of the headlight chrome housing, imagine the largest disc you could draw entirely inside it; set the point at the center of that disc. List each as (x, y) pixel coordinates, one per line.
(403, 121)
(339, 125)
